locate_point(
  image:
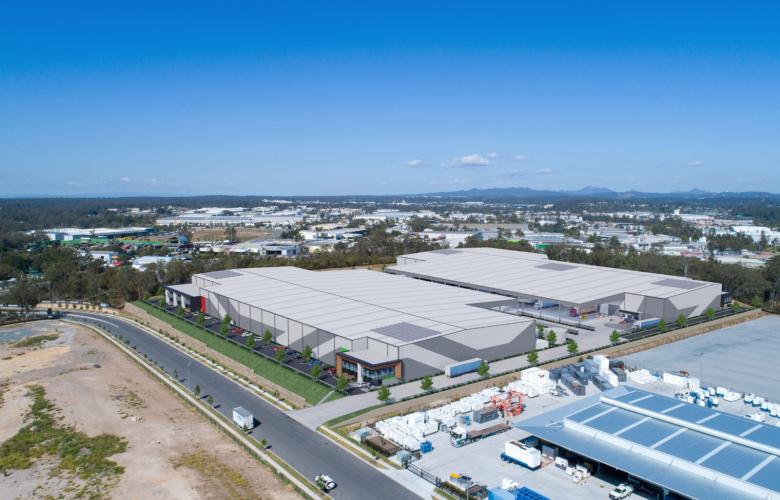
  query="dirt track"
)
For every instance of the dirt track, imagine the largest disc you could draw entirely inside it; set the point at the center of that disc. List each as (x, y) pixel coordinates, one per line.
(172, 452)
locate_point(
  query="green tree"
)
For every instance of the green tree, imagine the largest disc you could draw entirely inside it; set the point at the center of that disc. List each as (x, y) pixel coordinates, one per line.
(176, 374)
(662, 326)
(223, 329)
(279, 355)
(267, 337)
(484, 369)
(180, 311)
(306, 353)
(734, 307)
(427, 383)
(210, 399)
(250, 342)
(227, 320)
(533, 357)
(383, 394)
(681, 321)
(264, 443)
(540, 330)
(571, 346)
(552, 338)
(197, 390)
(316, 371)
(201, 319)
(614, 337)
(756, 301)
(341, 383)
(709, 313)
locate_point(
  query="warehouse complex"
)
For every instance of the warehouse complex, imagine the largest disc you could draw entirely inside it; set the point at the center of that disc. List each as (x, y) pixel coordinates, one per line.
(675, 446)
(369, 325)
(531, 277)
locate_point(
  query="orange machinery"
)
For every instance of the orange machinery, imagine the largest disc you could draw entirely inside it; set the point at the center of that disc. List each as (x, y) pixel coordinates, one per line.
(510, 403)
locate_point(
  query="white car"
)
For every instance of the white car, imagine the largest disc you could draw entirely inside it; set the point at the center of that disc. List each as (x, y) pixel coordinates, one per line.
(622, 491)
(324, 482)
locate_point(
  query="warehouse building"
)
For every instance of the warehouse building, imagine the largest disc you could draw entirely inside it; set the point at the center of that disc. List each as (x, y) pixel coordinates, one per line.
(531, 277)
(666, 445)
(367, 324)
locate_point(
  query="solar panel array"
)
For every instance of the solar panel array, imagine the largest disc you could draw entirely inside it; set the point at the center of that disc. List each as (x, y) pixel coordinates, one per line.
(735, 446)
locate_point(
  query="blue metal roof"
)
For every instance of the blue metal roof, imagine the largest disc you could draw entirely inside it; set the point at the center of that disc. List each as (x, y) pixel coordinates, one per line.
(704, 453)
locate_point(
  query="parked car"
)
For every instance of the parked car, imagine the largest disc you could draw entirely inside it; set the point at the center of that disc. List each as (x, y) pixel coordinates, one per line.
(621, 491)
(324, 482)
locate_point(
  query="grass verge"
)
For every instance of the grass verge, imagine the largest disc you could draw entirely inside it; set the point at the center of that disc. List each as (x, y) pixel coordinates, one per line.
(82, 458)
(307, 388)
(35, 341)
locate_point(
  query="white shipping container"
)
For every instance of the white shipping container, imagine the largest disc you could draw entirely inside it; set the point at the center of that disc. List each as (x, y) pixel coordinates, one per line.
(530, 457)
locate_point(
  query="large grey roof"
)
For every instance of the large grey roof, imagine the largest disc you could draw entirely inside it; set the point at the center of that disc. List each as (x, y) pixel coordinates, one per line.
(360, 303)
(531, 274)
(692, 450)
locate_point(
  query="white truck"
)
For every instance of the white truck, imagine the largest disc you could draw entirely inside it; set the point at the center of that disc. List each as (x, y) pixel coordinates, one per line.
(243, 418)
(522, 454)
(622, 491)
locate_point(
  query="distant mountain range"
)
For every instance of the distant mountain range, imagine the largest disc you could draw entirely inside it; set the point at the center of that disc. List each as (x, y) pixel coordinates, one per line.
(593, 192)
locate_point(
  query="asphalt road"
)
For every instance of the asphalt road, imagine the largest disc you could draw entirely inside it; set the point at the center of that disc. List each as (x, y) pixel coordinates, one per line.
(305, 450)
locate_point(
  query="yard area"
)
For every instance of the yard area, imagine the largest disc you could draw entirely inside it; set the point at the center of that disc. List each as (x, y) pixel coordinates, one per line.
(307, 388)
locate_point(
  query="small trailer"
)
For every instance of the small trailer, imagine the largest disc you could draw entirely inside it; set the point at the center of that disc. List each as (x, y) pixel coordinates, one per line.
(243, 418)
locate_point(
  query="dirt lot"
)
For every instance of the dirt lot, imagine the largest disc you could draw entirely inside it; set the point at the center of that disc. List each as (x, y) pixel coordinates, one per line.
(171, 451)
(242, 234)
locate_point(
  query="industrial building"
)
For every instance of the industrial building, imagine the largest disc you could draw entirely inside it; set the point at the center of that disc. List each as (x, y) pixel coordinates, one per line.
(532, 278)
(74, 233)
(369, 325)
(672, 447)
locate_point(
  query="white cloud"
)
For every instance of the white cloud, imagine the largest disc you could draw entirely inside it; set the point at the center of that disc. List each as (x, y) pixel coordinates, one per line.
(415, 163)
(518, 157)
(492, 155)
(695, 163)
(75, 183)
(544, 171)
(125, 179)
(474, 160)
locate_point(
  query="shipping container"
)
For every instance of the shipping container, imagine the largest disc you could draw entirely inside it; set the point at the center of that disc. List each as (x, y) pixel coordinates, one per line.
(522, 454)
(485, 414)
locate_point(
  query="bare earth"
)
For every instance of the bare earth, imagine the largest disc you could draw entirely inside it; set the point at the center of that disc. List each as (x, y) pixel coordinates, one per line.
(172, 452)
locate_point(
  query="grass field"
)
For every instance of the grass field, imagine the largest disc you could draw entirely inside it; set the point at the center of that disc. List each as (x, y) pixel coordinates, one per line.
(307, 388)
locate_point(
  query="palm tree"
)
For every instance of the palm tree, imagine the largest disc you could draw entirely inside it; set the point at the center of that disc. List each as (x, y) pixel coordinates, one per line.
(614, 337)
(533, 357)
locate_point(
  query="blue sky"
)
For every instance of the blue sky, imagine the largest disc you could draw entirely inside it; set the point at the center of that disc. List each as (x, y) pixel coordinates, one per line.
(397, 97)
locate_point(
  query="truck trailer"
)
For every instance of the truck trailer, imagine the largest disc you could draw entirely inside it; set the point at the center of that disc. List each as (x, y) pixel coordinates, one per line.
(243, 418)
(643, 324)
(462, 367)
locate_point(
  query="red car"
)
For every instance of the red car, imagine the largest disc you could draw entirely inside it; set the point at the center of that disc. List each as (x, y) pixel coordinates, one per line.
(237, 330)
